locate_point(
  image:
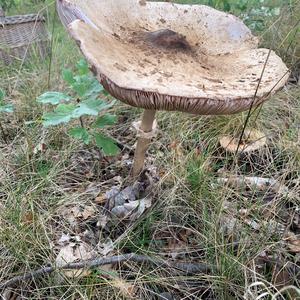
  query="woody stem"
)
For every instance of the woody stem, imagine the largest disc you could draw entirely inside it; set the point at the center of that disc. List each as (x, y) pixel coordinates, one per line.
(143, 142)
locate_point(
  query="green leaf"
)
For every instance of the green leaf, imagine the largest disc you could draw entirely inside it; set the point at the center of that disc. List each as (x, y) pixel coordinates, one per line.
(105, 120)
(82, 67)
(68, 76)
(227, 6)
(8, 108)
(80, 133)
(86, 86)
(107, 144)
(53, 98)
(62, 114)
(2, 95)
(91, 107)
(93, 89)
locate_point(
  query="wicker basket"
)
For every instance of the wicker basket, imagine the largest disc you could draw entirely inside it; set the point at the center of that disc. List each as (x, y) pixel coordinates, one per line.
(23, 36)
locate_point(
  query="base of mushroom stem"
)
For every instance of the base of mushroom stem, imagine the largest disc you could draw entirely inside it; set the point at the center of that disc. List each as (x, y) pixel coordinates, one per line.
(146, 130)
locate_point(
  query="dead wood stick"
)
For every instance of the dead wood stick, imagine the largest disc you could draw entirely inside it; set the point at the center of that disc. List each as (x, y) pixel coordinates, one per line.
(188, 268)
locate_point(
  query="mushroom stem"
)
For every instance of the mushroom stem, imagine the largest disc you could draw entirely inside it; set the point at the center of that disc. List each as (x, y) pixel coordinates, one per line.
(143, 142)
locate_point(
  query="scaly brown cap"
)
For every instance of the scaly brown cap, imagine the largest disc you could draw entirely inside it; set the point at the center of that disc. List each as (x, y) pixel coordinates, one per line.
(164, 56)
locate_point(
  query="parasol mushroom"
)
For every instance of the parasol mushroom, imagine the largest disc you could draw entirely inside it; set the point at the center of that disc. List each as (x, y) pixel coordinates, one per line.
(252, 140)
(165, 56)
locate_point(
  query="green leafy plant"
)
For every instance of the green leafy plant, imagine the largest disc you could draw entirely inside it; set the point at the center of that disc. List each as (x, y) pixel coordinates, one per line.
(4, 108)
(7, 4)
(253, 12)
(82, 100)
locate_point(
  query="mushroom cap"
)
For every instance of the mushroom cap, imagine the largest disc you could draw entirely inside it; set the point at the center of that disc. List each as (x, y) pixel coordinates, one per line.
(253, 140)
(165, 56)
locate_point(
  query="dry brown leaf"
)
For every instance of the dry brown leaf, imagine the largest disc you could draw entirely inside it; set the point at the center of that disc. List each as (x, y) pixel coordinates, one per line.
(253, 224)
(88, 212)
(177, 151)
(73, 253)
(176, 247)
(281, 277)
(127, 289)
(132, 210)
(106, 248)
(293, 242)
(101, 199)
(73, 214)
(10, 295)
(294, 246)
(64, 239)
(27, 218)
(102, 220)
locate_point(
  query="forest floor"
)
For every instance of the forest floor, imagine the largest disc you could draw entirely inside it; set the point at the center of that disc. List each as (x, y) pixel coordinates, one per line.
(235, 216)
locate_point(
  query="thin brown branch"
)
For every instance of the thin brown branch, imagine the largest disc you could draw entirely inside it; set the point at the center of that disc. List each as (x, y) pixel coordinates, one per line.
(187, 268)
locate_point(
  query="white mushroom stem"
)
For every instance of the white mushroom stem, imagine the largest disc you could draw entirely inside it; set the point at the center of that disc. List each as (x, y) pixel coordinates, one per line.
(143, 142)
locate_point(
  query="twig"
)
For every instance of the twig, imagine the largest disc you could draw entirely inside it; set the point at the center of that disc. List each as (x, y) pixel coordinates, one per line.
(81, 122)
(188, 268)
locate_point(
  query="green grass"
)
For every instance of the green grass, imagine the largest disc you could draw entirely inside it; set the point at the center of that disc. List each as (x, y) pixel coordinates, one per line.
(190, 203)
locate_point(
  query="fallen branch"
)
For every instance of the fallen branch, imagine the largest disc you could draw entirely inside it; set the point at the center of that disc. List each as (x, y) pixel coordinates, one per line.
(259, 183)
(188, 268)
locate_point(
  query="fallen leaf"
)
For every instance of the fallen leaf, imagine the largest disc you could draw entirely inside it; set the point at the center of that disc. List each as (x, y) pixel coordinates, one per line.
(281, 277)
(293, 242)
(64, 239)
(93, 189)
(88, 212)
(102, 221)
(253, 224)
(105, 248)
(9, 294)
(177, 151)
(73, 253)
(100, 200)
(65, 256)
(176, 247)
(117, 197)
(127, 289)
(132, 210)
(76, 213)
(27, 218)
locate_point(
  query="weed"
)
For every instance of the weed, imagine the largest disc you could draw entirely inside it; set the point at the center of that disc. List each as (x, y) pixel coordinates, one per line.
(83, 102)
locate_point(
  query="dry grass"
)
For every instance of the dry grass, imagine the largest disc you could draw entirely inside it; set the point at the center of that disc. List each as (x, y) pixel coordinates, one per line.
(193, 212)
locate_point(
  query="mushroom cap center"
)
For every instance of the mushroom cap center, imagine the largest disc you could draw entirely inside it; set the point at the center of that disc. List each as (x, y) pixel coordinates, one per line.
(168, 39)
